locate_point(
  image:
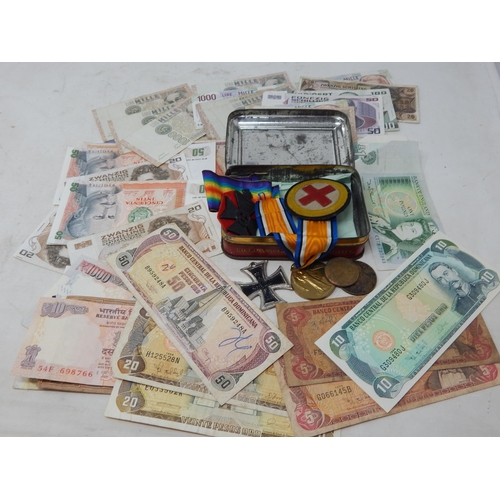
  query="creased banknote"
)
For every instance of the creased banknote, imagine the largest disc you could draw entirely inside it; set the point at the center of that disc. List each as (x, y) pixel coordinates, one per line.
(214, 114)
(392, 337)
(259, 82)
(144, 354)
(404, 97)
(137, 104)
(220, 333)
(126, 125)
(165, 408)
(72, 340)
(319, 408)
(94, 160)
(94, 207)
(397, 200)
(304, 322)
(35, 249)
(193, 219)
(164, 137)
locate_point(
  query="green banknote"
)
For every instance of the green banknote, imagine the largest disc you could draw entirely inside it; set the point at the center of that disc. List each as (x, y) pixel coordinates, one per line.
(388, 341)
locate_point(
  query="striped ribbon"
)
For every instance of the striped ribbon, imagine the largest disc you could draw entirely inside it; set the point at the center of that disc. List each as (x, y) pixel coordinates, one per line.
(303, 243)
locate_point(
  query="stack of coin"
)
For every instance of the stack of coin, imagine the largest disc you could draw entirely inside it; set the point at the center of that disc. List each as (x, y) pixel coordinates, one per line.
(354, 277)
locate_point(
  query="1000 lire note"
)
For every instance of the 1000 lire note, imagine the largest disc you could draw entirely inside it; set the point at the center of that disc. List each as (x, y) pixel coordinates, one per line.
(218, 330)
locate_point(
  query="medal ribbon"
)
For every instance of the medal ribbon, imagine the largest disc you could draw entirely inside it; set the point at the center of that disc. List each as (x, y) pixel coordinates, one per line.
(217, 185)
(303, 244)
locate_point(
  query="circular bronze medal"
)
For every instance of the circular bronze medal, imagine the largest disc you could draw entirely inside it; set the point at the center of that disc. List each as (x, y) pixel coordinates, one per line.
(342, 272)
(366, 281)
(310, 282)
(317, 199)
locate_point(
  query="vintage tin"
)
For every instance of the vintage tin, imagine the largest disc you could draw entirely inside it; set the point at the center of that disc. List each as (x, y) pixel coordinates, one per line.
(292, 145)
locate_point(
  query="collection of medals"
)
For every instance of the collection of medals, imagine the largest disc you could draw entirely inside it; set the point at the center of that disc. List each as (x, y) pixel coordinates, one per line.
(303, 223)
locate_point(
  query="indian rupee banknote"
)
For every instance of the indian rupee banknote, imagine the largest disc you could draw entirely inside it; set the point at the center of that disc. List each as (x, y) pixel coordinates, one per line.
(393, 336)
(72, 340)
(217, 329)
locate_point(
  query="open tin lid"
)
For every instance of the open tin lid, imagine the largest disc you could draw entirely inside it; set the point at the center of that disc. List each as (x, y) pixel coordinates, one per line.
(277, 137)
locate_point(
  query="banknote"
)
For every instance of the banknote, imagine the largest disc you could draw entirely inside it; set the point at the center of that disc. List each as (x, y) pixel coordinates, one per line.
(94, 207)
(164, 137)
(72, 340)
(35, 249)
(319, 408)
(304, 322)
(123, 126)
(214, 96)
(390, 120)
(387, 154)
(404, 97)
(220, 158)
(90, 278)
(93, 160)
(382, 76)
(193, 219)
(369, 110)
(392, 337)
(137, 104)
(144, 354)
(173, 170)
(33, 384)
(220, 333)
(252, 82)
(200, 156)
(146, 404)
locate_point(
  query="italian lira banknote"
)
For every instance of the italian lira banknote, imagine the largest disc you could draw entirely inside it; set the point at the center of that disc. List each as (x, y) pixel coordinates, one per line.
(392, 337)
(138, 104)
(220, 333)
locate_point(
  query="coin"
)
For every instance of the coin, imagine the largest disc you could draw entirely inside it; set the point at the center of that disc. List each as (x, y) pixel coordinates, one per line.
(310, 282)
(366, 281)
(341, 271)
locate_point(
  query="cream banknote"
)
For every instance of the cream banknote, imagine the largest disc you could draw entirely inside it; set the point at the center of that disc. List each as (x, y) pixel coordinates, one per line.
(220, 333)
(304, 322)
(193, 219)
(33, 384)
(164, 137)
(137, 104)
(144, 354)
(72, 340)
(35, 249)
(404, 97)
(126, 125)
(382, 76)
(392, 337)
(94, 207)
(214, 114)
(252, 82)
(319, 408)
(93, 160)
(165, 408)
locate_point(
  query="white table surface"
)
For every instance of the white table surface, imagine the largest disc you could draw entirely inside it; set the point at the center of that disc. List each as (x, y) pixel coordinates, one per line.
(47, 107)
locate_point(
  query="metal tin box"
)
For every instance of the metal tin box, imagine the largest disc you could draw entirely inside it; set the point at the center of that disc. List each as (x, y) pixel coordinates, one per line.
(292, 145)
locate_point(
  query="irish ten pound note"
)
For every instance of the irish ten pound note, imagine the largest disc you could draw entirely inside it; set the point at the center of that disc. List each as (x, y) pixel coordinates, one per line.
(219, 332)
(392, 337)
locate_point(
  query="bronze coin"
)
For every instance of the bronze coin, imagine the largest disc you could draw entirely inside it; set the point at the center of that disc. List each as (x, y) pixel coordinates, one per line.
(342, 272)
(366, 281)
(310, 282)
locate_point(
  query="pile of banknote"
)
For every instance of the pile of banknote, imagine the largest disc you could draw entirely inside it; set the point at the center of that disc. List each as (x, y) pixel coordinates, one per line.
(141, 312)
